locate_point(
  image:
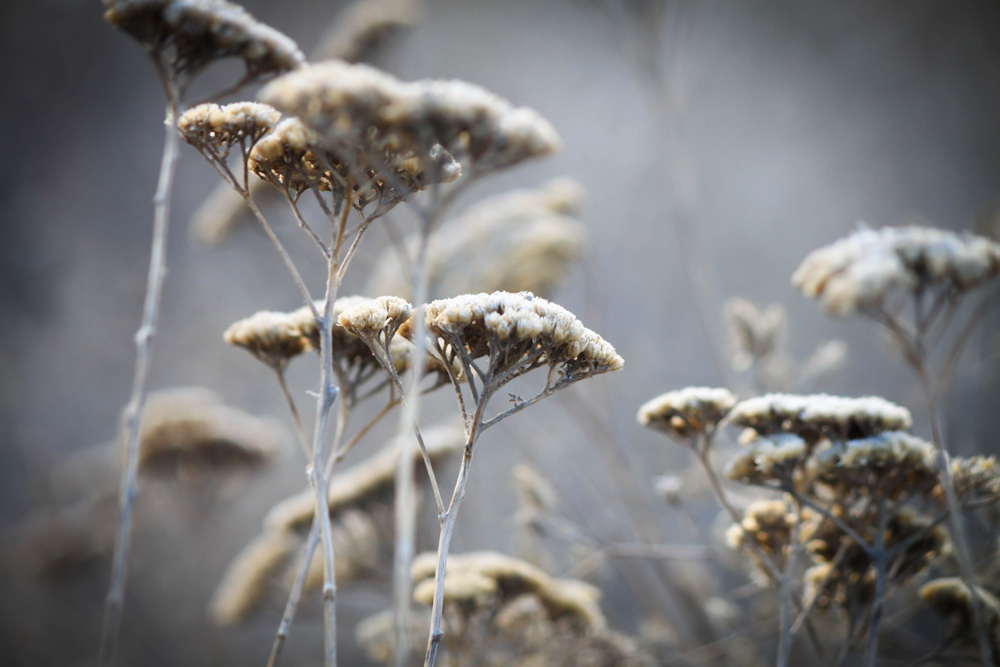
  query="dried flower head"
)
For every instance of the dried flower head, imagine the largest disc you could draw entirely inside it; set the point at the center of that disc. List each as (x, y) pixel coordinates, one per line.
(519, 332)
(524, 240)
(274, 338)
(214, 130)
(756, 333)
(379, 318)
(950, 598)
(687, 412)
(191, 429)
(893, 464)
(185, 36)
(248, 578)
(485, 574)
(769, 461)
(859, 272)
(769, 524)
(820, 416)
(365, 28)
(976, 479)
(54, 543)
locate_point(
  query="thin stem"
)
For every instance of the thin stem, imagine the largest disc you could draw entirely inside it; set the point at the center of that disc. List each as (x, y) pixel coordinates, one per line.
(132, 416)
(305, 225)
(878, 606)
(299, 429)
(295, 595)
(341, 452)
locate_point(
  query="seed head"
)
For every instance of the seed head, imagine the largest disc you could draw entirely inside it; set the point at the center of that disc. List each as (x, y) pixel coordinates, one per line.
(365, 28)
(859, 272)
(768, 460)
(687, 412)
(248, 577)
(894, 462)
(769, 524)
(185, 36)
(274, 338)
(950, 598)
(820, 415)
(383, 315)
(755, 333)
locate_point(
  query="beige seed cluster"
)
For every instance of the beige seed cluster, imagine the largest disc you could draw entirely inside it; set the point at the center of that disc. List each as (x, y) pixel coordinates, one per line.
(364, 28)
(820, 415)
(521, 323)
(687, 412)
(859, 272)
(895, 462)
(769, 524)
(523, 241)
(340, 100)
(768, 460)
(755, 332)
(950, 598)
(215, 130)
(188, 35)
(383, 315)
(274, 338)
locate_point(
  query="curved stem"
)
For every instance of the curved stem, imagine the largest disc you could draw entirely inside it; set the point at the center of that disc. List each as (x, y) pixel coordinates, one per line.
(300, 431)
(295, 595)
(132, 416)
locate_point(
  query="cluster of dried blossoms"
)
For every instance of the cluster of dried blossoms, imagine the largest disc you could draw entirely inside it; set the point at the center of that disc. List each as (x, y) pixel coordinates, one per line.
(499, 609)
(524, 240)
(861, 497)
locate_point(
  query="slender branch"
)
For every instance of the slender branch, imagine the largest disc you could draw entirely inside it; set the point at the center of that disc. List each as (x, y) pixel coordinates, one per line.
(132, 416)
(878, 606)
(305, 225)
(299, 430)
(343, 451)
(295, 595)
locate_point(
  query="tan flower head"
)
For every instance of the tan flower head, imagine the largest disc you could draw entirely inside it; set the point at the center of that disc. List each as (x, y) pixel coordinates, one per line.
(248, 578)
(519, 332)
(769, 524)
(379, 317)
(215, 130)
(768, 460)
(364, 28)
(756, 333)
(894, 464)
(287, 159)
(524, 240)
(950, 598)
(274, 338)
(189, 429)
(859, 272)
(686, 412)
(976, 478)
(185, 36)
(819, 415)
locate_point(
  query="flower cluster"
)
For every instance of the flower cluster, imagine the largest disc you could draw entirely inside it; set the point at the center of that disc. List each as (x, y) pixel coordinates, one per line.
(859, 272)
(687, 412)
(214, 130)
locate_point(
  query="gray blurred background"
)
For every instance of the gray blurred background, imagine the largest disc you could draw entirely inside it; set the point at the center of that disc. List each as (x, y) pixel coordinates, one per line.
(765, 129)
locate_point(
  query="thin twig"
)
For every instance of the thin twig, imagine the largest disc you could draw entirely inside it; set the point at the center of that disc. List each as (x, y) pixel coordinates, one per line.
(295, 595)
(132, 416)
(299, 430)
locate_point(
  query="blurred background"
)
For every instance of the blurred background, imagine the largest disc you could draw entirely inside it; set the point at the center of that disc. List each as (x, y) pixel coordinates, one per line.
(722, 141)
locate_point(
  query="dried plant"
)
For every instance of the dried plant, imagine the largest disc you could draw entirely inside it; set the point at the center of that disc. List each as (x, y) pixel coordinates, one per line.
(950, 598)
(912, 280)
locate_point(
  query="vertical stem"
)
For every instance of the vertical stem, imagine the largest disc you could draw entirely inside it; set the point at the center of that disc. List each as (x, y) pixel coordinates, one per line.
(405, 505)
(954, 517)
(132, 416)
(878, 606)
(296, 594)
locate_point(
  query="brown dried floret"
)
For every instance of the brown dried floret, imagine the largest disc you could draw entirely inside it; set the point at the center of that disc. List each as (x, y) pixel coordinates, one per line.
(380, 317)
(247, 579)
(363, 29)
(185, 36)
(820, 416)
(191, 429)
(274, 338)
(524, 240)
(687, 412)
(59, 542)
(950, 598)
(858, 272)
(893, 464)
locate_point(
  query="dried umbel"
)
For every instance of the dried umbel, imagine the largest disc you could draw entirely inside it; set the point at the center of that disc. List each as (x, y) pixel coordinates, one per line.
(183, 37)
(756, 333)
(346, 103)
(365, 28)
(766, 529)
(524, 240)
(190, 429)
(249, 577)
(687, 412)
(517, 333)
(976, 480)
(950, 598)
(859, 272)
(215, 130)
(53, 543)
(379, 318)
(844, 573)
(892, 465)
(820, 416)
(274, 338)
